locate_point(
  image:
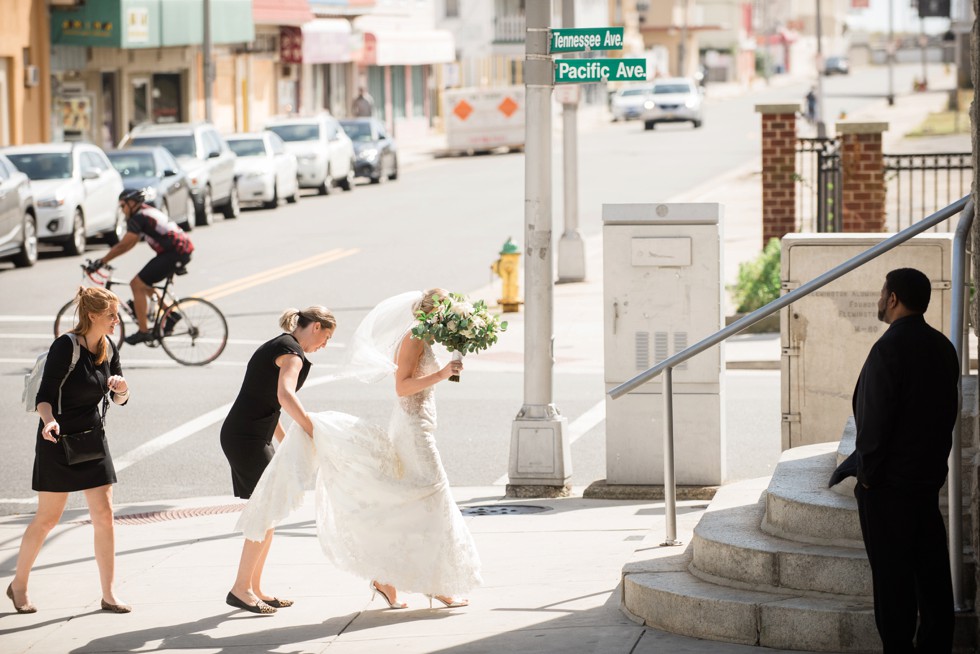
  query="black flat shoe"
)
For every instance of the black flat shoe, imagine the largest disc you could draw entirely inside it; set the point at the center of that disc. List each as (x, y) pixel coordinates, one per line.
(27, 608)
(261, 607)
(278, 603)
(116, 608)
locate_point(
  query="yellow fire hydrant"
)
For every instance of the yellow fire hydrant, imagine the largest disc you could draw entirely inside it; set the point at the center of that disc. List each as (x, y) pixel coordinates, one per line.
(506, 268)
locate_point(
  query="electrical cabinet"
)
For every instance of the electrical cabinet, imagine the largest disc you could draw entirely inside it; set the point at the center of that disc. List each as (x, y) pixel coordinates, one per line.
(662, 286)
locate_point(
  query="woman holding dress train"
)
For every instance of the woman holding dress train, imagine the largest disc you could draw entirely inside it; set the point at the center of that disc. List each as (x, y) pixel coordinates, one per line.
(385, 511)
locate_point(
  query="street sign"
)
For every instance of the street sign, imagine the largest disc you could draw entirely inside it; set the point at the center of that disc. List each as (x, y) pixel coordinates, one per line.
(584, 71)
(583, 39)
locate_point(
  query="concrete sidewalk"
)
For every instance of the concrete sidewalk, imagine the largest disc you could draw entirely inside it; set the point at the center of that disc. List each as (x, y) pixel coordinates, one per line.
(176, 562)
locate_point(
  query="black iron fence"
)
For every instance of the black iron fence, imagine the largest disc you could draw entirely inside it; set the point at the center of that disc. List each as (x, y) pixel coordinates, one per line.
(918, 185)
(818, 185)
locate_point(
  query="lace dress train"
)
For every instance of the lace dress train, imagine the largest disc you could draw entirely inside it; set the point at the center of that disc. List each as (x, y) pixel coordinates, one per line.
(383, 504)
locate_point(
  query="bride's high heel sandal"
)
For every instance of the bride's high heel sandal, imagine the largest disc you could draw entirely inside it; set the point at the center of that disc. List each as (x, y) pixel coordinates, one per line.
(378, 591)
(450, 603)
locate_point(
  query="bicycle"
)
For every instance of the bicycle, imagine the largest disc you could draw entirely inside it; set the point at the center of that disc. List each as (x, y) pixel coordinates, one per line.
(191, 330)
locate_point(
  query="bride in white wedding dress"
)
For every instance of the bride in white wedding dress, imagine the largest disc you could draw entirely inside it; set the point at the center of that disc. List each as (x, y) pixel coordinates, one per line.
(384, 509)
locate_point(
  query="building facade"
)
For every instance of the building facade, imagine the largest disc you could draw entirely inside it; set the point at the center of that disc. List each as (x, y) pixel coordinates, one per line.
(25, 90)
(118, 63)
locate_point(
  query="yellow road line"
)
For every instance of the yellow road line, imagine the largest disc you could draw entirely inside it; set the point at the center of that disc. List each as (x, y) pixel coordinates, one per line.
(259, 275)
(264, 277)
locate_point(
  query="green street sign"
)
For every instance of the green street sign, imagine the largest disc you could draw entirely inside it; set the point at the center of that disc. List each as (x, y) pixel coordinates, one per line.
(583, 39)
(584, 71)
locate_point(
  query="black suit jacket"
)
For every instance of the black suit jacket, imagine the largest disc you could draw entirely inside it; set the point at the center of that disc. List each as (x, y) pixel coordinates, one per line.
(905, 405)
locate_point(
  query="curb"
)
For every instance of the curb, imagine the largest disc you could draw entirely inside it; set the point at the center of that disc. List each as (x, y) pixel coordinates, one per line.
(602, 490)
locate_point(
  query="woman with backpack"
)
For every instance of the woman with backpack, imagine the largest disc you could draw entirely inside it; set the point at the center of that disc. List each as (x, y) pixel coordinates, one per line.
(81, 372)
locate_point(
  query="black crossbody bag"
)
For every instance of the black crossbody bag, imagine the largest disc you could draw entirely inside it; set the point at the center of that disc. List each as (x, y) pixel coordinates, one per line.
(88, 445)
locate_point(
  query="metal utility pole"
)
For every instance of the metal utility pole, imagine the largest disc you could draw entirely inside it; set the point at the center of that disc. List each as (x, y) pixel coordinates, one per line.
(208, 65)
(571, 248)
(923, 42)
(821, 125)
(540, 459)
(890, 53)
(682, 50)
(767, 63)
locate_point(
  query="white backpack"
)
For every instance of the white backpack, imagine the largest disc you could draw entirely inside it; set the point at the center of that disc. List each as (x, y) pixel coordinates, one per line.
(32, 380)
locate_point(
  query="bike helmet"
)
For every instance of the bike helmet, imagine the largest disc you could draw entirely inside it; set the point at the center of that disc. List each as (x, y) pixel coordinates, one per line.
(140, 195)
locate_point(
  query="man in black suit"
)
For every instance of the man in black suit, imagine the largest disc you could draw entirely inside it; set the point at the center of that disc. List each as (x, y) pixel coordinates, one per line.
(905, 406)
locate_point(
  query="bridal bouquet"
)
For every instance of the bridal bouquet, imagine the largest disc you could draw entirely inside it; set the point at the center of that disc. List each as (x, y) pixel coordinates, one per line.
(459, 325)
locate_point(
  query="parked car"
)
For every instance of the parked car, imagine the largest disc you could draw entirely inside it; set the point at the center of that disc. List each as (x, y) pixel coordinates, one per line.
(265, 171)
(376, 155)
(76, 192)
(836, 66)
(324, 153)
(673, 100)
(206, 158)
(18, 217)
(156, 168)
(627, 103)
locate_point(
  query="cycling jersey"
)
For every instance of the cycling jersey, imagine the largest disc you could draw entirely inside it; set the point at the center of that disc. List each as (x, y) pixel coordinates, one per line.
(160, 232)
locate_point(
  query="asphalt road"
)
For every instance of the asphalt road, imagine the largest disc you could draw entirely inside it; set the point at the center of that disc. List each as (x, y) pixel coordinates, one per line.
(441, 224)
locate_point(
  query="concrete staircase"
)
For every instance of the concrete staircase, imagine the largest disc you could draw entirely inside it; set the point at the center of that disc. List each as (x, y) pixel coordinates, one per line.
(779, 562)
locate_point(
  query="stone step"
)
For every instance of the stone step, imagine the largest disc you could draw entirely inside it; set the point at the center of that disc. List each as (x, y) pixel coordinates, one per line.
(681, 603)
(800, 507)
(729, 548)
(846, 446)
(737, 600)
(678, 602)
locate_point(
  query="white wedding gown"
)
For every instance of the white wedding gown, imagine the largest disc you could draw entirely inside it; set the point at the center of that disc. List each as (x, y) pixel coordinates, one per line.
(384, 509)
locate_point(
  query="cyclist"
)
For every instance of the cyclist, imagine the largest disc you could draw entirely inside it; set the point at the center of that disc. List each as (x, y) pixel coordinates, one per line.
(173, 252)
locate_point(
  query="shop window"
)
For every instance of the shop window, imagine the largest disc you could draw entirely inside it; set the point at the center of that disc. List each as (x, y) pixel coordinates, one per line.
(167, 98)
(398, 91)
(376, 87)
(418, 91)
(141, 101)
(110, 130)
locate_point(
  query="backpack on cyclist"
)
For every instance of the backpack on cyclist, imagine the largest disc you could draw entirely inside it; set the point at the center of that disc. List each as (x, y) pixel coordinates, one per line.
(32, 380)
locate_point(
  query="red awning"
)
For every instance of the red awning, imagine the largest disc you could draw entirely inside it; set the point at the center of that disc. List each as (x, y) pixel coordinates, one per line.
(281, 12)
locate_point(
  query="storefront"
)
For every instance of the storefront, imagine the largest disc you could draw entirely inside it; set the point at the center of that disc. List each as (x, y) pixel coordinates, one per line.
(327, 56)
(142, 62)
(272, 75)
(397, 69)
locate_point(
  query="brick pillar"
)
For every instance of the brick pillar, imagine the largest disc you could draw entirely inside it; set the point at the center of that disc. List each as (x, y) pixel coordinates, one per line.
(862, 176)
(778, 169)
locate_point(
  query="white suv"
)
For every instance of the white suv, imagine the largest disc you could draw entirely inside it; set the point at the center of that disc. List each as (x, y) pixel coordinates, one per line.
(76, 192)
(324, 152)
(673, 100)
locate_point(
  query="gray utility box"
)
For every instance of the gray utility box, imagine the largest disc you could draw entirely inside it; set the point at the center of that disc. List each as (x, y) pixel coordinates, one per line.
(662, 285)
(826, 335)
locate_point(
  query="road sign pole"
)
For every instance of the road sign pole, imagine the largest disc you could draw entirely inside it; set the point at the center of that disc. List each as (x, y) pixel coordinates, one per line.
(571, 248)
(540, 460)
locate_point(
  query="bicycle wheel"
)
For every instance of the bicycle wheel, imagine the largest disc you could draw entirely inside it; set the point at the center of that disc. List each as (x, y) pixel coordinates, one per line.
(199, 331)
(66, 319)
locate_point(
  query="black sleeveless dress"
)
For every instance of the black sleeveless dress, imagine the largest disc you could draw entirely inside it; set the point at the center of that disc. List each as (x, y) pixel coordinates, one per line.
(246, 434)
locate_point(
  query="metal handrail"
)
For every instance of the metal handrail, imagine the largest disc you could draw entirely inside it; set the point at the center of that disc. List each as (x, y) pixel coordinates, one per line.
(957, 314)
(958, 327)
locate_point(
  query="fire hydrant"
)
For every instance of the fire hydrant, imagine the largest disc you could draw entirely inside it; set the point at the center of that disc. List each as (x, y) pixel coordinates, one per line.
(506, 268)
